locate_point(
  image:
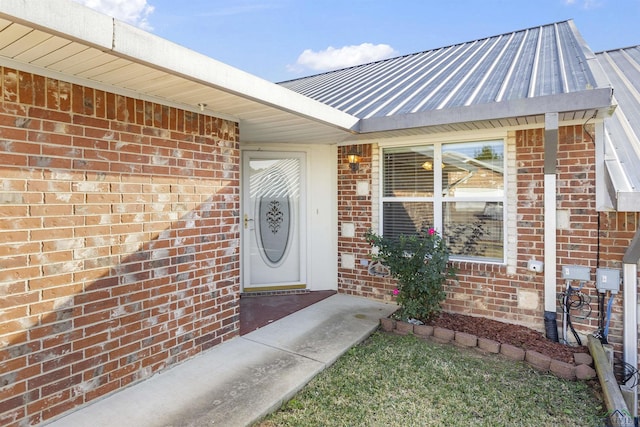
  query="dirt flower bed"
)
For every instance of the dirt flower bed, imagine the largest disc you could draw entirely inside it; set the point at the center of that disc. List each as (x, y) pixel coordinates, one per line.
(505, 333)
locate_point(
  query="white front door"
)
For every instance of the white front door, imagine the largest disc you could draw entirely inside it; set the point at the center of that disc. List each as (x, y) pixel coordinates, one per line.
(273, 232)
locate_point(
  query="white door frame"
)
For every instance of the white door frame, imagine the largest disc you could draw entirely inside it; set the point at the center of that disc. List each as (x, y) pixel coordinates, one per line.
(259, 273)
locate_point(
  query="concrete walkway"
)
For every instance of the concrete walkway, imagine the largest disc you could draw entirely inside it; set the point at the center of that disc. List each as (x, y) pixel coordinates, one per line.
(238, 382)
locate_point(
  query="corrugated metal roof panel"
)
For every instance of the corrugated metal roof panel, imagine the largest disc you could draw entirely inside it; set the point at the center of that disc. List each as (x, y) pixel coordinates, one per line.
(622, 129)
(539, 61)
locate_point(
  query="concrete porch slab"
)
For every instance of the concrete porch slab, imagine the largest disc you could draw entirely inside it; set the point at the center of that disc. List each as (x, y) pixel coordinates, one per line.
(238, 382)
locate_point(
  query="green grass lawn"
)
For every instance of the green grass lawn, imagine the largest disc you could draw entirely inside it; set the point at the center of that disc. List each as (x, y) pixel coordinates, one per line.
(391, 380)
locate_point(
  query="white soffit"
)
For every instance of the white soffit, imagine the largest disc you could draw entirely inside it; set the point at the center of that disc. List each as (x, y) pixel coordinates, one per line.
(62, 39)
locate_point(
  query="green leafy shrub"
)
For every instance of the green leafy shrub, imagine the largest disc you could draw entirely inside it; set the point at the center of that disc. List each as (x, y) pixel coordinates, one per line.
(420, 263)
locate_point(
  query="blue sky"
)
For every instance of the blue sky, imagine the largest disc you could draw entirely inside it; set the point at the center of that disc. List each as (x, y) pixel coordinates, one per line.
(284, 39)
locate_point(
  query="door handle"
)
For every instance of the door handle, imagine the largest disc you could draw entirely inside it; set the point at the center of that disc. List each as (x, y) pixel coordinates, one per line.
(246, 220)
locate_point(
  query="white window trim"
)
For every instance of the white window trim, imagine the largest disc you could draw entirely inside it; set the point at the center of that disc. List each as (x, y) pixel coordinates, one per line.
(510, 200)
(511, 208)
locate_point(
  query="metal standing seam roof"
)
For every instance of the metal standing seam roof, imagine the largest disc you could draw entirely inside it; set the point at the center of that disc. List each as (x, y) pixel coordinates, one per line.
(534, 63)
(505, 80)
(622, 129)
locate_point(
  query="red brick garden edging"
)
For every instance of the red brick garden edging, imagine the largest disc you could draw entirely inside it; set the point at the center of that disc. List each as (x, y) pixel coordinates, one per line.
(581, 369)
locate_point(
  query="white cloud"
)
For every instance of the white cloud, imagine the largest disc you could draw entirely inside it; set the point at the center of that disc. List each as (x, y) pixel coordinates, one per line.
(238, 9)
(347, 56)
(584, 4)
(135, 12)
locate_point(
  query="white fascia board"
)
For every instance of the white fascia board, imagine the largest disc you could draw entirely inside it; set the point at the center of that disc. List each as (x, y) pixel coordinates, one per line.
(611, 201)
(576, 101)
(617, 176)
(143, 47)
(71, 20)
(628, 201)
(62, 17)
(620, 165)
(624, 197)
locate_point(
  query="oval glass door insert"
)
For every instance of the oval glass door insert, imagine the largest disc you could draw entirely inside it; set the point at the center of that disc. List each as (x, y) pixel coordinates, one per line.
(274, 216)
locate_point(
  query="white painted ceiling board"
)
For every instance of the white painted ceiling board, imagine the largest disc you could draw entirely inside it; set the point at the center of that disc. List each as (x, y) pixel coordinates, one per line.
(36, 51)
(55, 59)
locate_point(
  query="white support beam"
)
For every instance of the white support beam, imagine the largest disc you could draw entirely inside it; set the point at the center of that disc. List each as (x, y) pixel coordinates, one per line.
(550, 161)
(630, 330)
(630, 314)
(550, 267)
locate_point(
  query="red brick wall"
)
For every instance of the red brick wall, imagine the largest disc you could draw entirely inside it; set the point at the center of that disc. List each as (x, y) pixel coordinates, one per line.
(358, 210)
(489, 290)
(616, 232)
(118, 242)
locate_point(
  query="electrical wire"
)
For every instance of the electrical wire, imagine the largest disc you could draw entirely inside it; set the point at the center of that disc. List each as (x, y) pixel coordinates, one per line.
(601, 319)
(606, 325)
(573, 299)
(593, 139)
(602, 332)
(579, 302)
(568, 309)
(584, 126)
(625, 373)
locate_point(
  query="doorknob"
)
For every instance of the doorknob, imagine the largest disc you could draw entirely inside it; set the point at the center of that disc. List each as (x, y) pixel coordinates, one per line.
(246, 220)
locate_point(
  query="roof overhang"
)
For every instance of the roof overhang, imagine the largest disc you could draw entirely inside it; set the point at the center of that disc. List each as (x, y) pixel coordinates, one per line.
(623, 198)
(588, 103)
(622, 128)
(64, 40)
(622, 160)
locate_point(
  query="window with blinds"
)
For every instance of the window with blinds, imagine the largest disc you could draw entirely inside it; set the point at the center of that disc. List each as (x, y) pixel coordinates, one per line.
(456, 188)
(408, 189)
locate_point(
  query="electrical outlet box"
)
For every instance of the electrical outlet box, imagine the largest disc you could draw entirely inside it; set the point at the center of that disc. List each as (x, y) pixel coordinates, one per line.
(535, 266)
(607, 280)
(576, 272)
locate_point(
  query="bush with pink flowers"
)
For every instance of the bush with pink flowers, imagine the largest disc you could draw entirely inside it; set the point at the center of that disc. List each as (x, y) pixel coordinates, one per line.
(420, 263)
